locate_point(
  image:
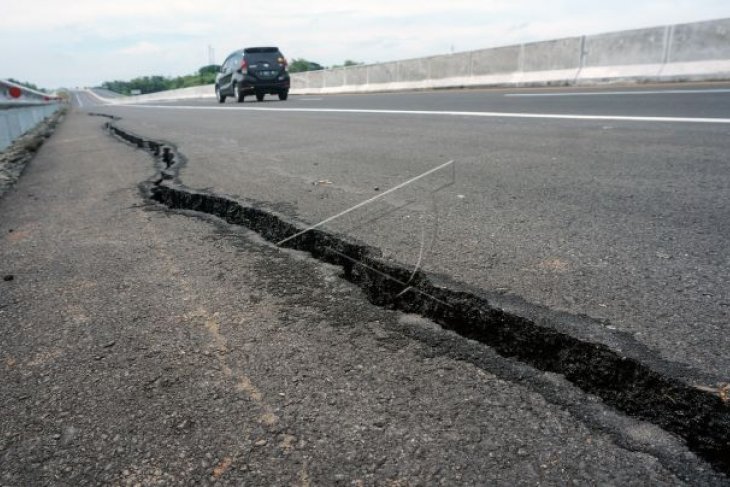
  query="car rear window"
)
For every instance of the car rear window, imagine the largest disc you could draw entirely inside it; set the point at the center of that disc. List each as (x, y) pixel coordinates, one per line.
(262, 54)
(270, 57)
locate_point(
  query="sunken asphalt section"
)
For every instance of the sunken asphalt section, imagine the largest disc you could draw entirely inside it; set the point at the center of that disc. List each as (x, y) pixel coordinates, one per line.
(145, 346)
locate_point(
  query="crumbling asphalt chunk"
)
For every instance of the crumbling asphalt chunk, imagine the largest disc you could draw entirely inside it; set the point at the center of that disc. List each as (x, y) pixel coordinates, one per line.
(627, 381)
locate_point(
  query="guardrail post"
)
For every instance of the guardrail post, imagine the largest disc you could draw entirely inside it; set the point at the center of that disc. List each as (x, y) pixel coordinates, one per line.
(5, 139)
(668, 38)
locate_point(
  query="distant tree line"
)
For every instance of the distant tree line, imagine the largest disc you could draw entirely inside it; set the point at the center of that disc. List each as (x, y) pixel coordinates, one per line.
(204, 76)
(347, 64)
(299, 65)
(152, 84)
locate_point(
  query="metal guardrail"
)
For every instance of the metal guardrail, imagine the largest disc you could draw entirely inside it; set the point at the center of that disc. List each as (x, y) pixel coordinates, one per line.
(14, 122)
(13, 95)
(22, 109)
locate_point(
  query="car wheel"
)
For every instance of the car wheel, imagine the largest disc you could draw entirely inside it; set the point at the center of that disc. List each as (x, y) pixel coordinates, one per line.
(283, 95)
(221, 97)
(237, 94)
(260, 96)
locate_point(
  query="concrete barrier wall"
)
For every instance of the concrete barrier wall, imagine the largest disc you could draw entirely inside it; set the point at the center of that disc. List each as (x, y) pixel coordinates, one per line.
(194, 92)
(315, 78)
(700, 41)
(356, 76)
(414, 69)
(698, 51)
(382, 73)
(499, 60)
(624, 56)
(207, 91)
(301, 82)
(557, 55)
(453, 66)
(334, 77)
(645, 46)
(685, 52)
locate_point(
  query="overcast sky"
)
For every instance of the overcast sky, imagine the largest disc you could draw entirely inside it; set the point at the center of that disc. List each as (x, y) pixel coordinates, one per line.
(84, 42)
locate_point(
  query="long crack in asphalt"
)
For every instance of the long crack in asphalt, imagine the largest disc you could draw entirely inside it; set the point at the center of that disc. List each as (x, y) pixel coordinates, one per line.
(700, 415)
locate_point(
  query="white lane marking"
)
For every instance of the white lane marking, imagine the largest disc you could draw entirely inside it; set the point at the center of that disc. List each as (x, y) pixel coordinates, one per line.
(554, 116)
(309, 99)
(602, 93)
(78, 99)
(67, 141)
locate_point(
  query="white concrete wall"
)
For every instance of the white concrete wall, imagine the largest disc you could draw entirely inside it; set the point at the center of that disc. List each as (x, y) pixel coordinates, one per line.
(698, 51)
(205, 91)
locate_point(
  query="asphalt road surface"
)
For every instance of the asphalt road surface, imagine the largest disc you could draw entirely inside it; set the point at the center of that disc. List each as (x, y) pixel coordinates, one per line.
(141, 345)
(146, 347)
(611, 203)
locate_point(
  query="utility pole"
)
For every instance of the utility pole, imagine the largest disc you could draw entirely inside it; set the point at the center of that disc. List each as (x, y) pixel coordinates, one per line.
(211, 54)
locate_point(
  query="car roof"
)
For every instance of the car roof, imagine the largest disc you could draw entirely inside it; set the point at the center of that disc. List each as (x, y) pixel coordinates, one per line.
(250, 50)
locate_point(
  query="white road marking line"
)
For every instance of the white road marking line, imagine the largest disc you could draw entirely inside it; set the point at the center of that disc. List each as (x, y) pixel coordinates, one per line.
(66, 141)
(603, 93)
(553, 116)
(78, 99)
(309, 99)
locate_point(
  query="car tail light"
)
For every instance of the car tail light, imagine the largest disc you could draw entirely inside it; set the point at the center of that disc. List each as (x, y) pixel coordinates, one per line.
(244, 65)
(282, 61)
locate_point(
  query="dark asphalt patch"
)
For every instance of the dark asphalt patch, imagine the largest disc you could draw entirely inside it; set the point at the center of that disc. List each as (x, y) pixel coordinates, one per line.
(699, 415)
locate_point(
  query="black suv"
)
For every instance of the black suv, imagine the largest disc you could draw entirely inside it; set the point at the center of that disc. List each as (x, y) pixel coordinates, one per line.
(253, 71)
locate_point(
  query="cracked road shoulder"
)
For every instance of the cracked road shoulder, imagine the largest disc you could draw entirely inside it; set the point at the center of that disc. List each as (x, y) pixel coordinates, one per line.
(143, 346)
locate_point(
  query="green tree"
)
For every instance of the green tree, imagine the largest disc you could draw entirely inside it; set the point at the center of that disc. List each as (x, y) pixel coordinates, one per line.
(348, 63)
(209, 69)
(152, 84)
(299, 65)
